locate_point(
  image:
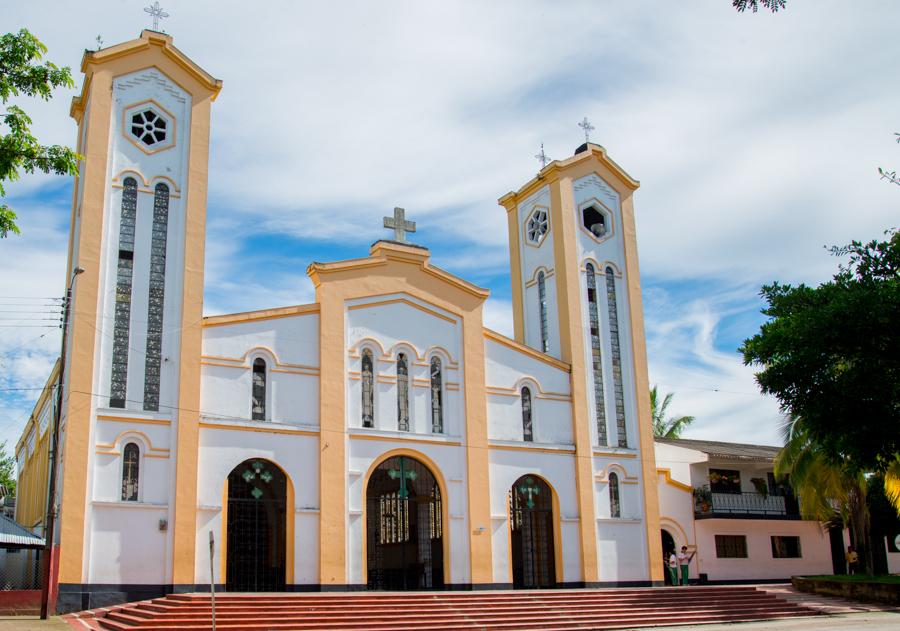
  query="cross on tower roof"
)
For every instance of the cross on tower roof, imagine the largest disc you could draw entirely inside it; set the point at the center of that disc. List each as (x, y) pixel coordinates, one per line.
(156, 11)
(588, 128)
(542, 157)
(399, 224)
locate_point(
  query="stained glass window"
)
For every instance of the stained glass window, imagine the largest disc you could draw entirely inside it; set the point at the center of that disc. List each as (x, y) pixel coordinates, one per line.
(596, 355)
(615, 507)
(368, 390)
(131, 459)
(258, 411)
(616, 356)
(542, 303)
(124, 271)
(156, 300)
(437, 397)
(527, 427)
(402, 393)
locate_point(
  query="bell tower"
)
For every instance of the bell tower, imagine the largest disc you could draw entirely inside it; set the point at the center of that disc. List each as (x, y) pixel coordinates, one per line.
(137, 231)
(576, 296)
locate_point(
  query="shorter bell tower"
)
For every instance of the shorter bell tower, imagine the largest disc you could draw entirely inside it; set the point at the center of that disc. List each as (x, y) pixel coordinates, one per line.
(576, 296)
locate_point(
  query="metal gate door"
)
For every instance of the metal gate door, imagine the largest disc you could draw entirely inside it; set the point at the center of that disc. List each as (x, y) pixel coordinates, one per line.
(531, 522)
(404, 530)
(257, 494)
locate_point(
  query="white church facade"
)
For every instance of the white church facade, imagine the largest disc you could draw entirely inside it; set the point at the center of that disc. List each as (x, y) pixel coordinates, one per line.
(378, 438)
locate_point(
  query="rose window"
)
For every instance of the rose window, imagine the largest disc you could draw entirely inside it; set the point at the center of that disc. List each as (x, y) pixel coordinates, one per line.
(537, 225)
(149, 127)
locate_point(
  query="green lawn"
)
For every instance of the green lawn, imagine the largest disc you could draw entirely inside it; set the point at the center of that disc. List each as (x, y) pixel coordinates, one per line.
(860, 578)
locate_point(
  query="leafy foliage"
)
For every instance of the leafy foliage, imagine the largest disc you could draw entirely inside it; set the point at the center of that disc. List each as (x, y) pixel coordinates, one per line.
(7, 470)
(830, 355)
(22, 74)
(666, 427)
(753, 5)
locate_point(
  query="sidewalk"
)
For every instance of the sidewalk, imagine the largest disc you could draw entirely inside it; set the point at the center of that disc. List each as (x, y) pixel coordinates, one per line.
(31, 623)
(871, 621)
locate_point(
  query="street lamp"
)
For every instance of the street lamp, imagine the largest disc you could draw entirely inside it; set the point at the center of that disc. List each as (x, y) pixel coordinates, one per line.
(50, 519)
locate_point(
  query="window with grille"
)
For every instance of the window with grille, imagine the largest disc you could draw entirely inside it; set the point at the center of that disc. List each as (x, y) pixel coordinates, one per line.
(527, 426)
(368, 389)
(786, 547)
(731, 546)
(616, 356)
(402, 393)
(596, 354)
(124, 271)
(131, 462)
(542, 305)
(615, 506)
(258, 396)
(437, 396)
(149, 127)
(156, 299)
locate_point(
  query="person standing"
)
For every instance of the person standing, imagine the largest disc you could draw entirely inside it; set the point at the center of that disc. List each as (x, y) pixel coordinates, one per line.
(852, 559)
(684, 560)
(673, 568)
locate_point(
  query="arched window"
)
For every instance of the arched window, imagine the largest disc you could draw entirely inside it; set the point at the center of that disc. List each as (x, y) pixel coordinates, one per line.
(542, 303)
(527, 426)
(437, 396)
(258, 396)
(615, 508)
(616, 356)
(596, 355)
(124, 271)
(131, 462)
(402, 393)
(156, 299)
(368, 390)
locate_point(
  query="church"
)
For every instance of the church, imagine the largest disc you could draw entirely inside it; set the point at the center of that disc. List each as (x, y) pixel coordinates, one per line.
(379, 438)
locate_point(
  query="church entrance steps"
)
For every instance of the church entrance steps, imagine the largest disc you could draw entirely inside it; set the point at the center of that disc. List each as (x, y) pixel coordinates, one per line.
(450, 611)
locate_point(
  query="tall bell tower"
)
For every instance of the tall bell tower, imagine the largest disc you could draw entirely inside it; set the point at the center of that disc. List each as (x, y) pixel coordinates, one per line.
(133, 370)
(577, 297)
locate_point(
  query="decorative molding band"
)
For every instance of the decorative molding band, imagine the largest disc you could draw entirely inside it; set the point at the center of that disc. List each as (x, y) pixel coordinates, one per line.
(533, 449)
(135, 419)
(405, 301)
(526, 350)
(402, 437)
(259, 428)
(599, 451)
(144, 505)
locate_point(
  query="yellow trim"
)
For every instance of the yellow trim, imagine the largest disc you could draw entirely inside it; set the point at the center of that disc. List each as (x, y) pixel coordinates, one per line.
(540, 268)
(170, 142)
(143, 436)
(126, 419)
(667, 478)
(514, 392)
(405, 439)
(261, 314)
(543, 450)
(613, 454)
(445, 509)
(261, 429)
(410, 303)
(525, 350)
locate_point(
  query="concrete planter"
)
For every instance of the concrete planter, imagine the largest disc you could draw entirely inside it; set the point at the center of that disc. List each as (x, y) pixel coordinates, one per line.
(884, 593)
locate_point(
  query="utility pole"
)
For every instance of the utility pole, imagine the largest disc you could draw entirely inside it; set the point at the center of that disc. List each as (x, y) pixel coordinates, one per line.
(50, 519)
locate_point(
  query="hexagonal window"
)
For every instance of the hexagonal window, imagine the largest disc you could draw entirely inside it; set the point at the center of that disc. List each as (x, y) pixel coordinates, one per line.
(149, 127)
(537, 225)
(595, 221)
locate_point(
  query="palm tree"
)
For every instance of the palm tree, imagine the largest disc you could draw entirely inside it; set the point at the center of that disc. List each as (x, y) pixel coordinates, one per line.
(666, 427)
(829, 491)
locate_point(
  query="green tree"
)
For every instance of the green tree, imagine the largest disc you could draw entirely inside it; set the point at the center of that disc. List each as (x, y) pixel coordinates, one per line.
(666, 427)
(829, 354)
(21, 73)
(7, 470)
(753, 5)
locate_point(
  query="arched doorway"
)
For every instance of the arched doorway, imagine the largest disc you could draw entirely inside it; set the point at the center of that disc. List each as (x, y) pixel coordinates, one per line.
(404, 527)
(668, 547)
(257, 509)
(531, 526)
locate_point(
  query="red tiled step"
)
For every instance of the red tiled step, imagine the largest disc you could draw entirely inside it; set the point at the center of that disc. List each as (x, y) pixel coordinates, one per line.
(446, 611)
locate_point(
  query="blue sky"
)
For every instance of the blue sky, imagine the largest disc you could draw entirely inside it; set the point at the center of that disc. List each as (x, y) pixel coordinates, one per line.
(756, 139)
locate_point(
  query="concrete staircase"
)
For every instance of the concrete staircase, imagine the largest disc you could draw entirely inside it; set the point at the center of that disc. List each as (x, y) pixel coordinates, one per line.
(439, 611)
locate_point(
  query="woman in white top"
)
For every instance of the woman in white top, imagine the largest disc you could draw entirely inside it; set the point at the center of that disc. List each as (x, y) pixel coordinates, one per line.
(684, 560)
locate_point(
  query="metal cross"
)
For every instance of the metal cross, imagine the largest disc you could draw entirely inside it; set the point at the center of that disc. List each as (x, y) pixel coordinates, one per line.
(587, 127)
(156, 11)
(531, 490)
(404, 475)
(399, 224)
(542, 157)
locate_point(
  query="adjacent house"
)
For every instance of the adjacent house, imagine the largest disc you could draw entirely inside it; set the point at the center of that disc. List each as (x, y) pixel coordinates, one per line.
(722, 501)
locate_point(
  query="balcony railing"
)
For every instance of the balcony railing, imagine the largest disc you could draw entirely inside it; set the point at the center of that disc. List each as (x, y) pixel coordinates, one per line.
(747, 506)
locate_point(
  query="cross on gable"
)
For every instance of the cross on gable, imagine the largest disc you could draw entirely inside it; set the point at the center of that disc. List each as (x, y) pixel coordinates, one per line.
(399, 225)
(157, 12)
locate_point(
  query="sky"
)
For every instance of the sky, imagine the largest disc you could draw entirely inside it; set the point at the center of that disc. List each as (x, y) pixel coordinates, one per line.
(756, 139)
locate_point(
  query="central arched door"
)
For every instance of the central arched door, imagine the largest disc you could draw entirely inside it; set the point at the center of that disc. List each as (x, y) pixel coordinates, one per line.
(404, 527)
(257, 502)
(531, 526)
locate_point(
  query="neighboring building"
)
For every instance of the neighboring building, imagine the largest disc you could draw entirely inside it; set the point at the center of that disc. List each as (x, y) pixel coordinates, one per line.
(722, 500)
(380, 437)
